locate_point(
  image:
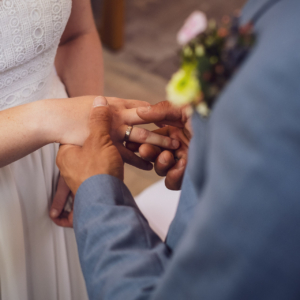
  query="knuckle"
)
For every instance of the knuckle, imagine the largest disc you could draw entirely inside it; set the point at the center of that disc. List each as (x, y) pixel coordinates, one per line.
(116, 99)
(99, 137)
(167, 142)
(143, 134)
(160, 169)
(100, 114)
(165, 104)
(106, 139)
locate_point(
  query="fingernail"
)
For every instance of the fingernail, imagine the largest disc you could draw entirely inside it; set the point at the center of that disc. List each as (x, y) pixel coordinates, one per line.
(54, 213)
(162, 160)
(100, 101)
(144, 110)
(175, 144)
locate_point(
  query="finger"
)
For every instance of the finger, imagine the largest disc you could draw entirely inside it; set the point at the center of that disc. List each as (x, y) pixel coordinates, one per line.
(164, 163)
(132, 159)
(100, 122)
(134, 147)
(181, 136)
(149, 152)
(163, 112)
(65, 220)
(144, 136)
(175, 175)
(130, 117)
(60, 198)
(135, 103)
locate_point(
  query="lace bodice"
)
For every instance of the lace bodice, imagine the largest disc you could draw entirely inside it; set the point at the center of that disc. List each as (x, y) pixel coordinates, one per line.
(30, 31)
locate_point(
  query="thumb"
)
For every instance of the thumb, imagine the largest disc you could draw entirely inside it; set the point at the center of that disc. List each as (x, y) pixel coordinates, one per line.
(100, 120)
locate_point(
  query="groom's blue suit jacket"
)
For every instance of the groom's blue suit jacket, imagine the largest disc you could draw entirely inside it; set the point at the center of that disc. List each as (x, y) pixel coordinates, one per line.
(236, 234)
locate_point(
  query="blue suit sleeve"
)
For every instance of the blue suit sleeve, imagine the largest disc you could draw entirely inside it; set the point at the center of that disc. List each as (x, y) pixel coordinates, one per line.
(121, 257)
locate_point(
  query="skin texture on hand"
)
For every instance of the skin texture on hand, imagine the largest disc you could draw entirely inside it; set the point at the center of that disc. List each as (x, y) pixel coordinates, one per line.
(163, 113)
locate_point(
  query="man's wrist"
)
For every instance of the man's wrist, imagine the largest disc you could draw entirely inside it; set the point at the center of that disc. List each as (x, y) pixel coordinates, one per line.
(109, 187)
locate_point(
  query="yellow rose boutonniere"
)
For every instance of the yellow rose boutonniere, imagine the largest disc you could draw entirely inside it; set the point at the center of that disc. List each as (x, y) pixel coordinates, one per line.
(184, 86)
(211, 55)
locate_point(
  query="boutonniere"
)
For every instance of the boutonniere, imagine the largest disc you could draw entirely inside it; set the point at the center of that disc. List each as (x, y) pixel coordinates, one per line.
(210, 56)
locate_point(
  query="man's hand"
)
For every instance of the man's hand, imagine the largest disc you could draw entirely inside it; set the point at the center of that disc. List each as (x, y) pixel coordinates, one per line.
(98, 155)
(167, 163)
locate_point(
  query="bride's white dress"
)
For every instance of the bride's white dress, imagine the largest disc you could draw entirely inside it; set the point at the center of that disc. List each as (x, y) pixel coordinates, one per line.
(38, 260)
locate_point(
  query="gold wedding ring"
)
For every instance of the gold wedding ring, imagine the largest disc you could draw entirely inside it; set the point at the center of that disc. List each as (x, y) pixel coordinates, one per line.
(127, 133)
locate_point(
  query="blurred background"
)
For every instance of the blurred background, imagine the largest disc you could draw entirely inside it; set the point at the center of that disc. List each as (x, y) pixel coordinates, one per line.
(141, 53)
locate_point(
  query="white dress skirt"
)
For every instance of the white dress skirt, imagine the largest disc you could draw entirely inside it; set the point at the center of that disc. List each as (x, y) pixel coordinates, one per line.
(38, 259)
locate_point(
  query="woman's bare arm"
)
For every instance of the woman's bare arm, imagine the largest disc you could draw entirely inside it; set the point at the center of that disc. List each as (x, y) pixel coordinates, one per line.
(26, 128)
(79, 57)
(22, 132)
